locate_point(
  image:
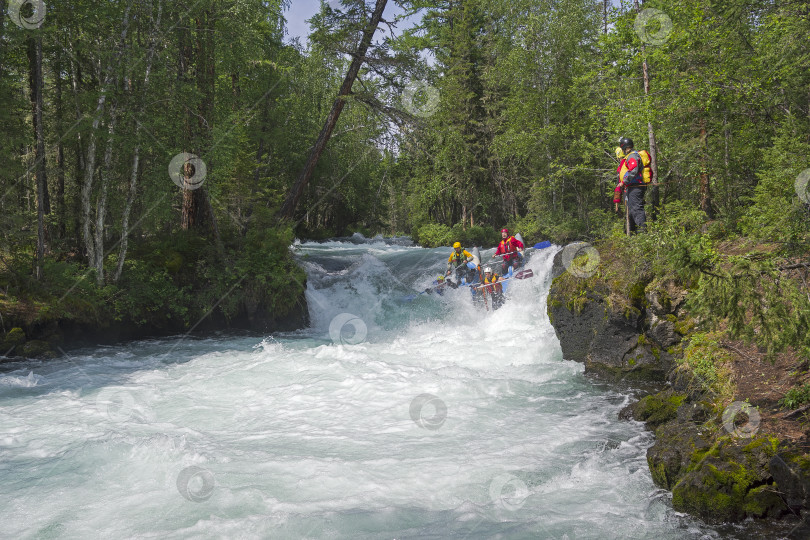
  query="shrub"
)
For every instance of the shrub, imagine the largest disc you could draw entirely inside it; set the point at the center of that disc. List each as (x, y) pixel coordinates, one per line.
(796, 397)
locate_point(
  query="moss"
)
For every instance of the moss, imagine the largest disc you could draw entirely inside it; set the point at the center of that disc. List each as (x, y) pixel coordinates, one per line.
(659, 473)
(763, 501)
(717, 487)
(714, 492)
(14, 338)
(666, 301)
(671, 318)
(37, 348)
(656, 352)
(631, 312)
(642, 339)
(803, 462)
(578, 303)
(631, 362)
(768, 444)
(636, 294)
(658, 408)
(684, 327)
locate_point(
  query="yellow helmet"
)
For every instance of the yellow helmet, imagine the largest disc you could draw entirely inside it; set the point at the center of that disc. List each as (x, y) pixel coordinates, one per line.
(619, 152)
(457, 245)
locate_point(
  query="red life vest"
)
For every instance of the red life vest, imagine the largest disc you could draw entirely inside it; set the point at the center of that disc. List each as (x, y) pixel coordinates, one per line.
(507, 247)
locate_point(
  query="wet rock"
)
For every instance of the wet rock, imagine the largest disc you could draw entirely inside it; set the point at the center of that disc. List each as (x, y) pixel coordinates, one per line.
(670, 456)
(792, 475)
(665, 298)
(725, 481)
(697, 413)
(655, 409)
(662, 332)
(609, 341)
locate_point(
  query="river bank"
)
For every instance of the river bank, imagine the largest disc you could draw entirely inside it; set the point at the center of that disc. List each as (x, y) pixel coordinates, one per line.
(726, 445)
(175, 285)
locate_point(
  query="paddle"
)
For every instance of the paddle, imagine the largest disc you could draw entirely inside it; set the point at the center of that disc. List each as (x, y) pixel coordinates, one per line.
(504, 255)
(523, 274)
(412, 297)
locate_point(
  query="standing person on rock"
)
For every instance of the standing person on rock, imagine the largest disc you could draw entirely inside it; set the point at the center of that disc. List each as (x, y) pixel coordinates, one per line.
(634, 180)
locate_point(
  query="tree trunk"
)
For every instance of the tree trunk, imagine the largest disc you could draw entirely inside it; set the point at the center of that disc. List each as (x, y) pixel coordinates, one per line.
(294, 195)
(196, 206)
(654, 189)
(605, 18)
(43, 202)
(75, 83)
(87, 185)
(133, 183)
(136, 154)
(705, 193)
(101, 205)
(61, 211)
(2, 47)
(90, 162)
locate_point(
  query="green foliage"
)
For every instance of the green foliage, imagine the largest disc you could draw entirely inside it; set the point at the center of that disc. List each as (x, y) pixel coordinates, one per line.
(706, 359)
(437, 235)
(796, 397)
(777, 213)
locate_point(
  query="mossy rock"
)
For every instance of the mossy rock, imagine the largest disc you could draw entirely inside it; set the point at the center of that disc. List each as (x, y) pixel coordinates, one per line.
(37, 349)
(685, 326)
(714, 490)
(764, 501)
(671, 455)
(14, 338)
(730, 482)
(658, 408)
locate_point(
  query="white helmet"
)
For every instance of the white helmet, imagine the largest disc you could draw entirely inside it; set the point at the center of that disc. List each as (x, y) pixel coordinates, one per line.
(487, 270)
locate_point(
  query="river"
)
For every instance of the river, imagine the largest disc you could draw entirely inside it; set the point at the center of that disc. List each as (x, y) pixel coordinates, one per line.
(386, 419)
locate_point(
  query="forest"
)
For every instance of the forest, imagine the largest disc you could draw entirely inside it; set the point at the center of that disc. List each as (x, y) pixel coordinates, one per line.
(159, 158)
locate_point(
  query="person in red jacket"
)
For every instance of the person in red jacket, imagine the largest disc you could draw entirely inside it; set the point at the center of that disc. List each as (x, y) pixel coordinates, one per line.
(512, 250)
(617, 193)
(632, 180)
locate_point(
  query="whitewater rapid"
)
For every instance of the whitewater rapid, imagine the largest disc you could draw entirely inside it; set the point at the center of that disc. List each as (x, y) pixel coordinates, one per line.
(387, 418)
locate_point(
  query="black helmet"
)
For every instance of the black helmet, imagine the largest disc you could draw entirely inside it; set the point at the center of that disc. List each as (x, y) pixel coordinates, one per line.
(626, 143)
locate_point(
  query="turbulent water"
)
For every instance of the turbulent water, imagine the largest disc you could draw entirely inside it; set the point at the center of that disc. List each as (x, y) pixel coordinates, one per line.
(386, 419)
